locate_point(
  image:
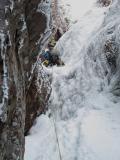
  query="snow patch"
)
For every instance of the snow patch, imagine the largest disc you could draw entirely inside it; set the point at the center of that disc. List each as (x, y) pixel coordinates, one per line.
(11, 5)
(74, 10)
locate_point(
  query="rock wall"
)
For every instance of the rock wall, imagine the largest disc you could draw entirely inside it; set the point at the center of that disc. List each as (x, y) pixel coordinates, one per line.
(24, 87)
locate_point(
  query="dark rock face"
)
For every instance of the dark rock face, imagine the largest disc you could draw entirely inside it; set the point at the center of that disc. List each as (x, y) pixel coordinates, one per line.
(36, 22)
(24, 88)
(104, 2)
(111, 52)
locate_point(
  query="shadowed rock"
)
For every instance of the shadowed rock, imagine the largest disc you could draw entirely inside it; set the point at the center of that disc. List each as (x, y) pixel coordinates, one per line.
(104, 2)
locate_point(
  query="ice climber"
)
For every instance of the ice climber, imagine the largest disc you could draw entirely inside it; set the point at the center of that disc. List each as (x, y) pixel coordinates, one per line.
(50, 58)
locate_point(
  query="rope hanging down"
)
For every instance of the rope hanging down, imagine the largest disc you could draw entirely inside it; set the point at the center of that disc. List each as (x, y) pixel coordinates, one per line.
(57, 140)
(55, 128)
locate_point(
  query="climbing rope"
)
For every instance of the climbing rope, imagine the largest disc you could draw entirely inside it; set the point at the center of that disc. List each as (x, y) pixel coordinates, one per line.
(55, 128)
(38, 62)
(57, 139)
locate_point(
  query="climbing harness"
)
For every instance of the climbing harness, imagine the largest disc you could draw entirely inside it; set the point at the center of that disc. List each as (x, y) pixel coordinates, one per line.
(45, 63)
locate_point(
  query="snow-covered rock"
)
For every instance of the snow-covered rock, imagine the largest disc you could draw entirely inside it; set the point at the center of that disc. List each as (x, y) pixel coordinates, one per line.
(24, 86)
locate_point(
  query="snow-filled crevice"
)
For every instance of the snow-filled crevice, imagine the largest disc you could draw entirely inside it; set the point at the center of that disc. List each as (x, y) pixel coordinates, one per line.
(85, 98)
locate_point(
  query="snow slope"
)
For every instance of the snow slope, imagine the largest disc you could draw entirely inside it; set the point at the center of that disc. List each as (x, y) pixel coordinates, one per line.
(85, 110)
(74, 10)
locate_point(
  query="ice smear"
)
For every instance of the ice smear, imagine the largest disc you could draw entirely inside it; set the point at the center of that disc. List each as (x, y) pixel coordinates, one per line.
(11, 5)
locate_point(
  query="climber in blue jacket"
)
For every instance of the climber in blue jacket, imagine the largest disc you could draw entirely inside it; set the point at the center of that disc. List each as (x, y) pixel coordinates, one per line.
(46, 57)
(50, 58)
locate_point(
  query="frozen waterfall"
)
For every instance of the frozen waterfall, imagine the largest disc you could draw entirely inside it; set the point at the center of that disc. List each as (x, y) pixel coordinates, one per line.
(85, 99)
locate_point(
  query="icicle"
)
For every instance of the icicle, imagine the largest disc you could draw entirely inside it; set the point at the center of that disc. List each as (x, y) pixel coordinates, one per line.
(5, 73)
